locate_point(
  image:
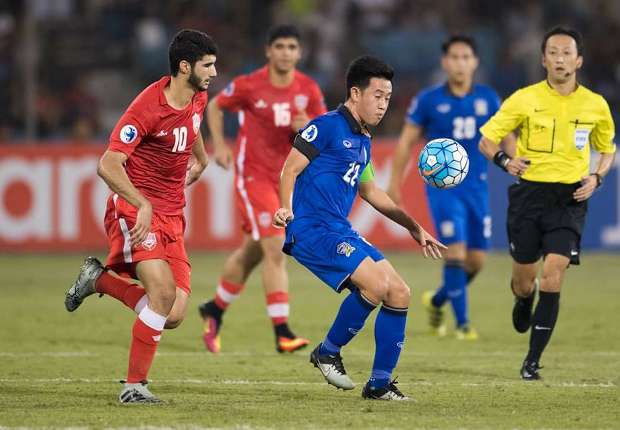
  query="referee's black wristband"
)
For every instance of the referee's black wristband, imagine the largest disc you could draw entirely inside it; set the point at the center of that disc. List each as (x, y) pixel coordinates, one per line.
(501, 159)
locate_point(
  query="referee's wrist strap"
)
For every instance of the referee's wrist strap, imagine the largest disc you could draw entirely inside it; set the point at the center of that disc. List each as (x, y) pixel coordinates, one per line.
(501, 159)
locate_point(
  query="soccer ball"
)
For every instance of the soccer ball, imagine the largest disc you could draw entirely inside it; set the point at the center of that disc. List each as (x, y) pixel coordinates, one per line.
(443, 163)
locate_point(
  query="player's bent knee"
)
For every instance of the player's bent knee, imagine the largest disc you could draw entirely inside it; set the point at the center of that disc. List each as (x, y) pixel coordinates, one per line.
(399, 294)
(173, 322)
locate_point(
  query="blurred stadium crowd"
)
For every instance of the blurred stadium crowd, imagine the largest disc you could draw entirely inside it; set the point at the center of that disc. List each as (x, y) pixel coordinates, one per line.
(93, 56)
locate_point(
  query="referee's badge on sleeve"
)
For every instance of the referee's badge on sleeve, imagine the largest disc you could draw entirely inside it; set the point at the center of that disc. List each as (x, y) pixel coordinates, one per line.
(582, 137)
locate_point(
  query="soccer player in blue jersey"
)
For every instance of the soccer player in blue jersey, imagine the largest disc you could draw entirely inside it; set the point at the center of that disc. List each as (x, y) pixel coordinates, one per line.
(329, 163)
(455, 109)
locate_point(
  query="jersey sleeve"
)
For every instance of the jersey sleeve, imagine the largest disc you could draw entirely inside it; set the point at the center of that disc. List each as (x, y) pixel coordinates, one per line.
(129, 131)
(508, 118)
(417, 113)
(235, 96)
(316, 105)
(368, 174)
(602, 138)
(312, 139)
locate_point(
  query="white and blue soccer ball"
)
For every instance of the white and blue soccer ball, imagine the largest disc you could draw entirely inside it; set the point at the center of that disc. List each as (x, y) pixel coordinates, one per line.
(443, 163)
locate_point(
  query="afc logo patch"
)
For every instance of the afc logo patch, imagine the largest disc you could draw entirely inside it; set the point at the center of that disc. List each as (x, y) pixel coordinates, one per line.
(196, 122)
(150, 242)
(310, 133)
(128, 134)
(345, 248)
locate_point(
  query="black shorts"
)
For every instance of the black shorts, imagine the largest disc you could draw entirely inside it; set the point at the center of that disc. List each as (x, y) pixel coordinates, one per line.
(543, 218)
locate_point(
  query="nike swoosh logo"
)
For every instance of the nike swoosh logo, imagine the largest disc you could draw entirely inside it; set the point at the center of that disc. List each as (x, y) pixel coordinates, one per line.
(427, 173)
(537, 327)
(539, 110)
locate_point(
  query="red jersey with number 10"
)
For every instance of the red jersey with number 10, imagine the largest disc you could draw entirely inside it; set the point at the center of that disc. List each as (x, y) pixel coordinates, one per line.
(158, 140)
(265, 114)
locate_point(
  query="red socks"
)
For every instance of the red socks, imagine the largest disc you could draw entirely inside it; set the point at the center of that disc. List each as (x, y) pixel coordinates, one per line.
(122, 290)
(146, 334)
(226, 293)
(277, 307)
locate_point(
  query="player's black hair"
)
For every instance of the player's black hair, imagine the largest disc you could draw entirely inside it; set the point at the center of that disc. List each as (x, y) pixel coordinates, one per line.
(459, 38)
(362, 69)
(280, 31)
(567, 32)
(191, 46)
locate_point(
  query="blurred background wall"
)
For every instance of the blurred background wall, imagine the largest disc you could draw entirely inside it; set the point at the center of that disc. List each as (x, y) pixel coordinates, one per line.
(69, 68)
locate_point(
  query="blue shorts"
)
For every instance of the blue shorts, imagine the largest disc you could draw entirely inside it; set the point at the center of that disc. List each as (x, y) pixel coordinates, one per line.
(461, 216)
(332, 255)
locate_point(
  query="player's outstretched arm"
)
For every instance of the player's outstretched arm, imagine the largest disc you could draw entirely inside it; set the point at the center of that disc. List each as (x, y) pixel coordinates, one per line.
(295, 163)
(380, 200)
(200, 162)
(515, 166)
(215, 119)
(111, 169)
(408, 136)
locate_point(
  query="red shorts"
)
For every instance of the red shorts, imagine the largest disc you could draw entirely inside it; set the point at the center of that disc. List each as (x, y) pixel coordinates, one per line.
(164, 242)
(257, 201)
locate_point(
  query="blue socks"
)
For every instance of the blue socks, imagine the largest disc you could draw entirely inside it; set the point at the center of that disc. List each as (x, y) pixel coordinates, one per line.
(350, 319)
(389, 339)
(454, 288)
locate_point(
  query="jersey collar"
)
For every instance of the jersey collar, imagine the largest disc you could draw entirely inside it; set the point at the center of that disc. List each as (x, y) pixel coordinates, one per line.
(355, 126)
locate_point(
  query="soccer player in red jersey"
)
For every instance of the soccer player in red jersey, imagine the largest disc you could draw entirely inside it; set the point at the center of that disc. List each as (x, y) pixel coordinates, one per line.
(155, 151)
(273, 103)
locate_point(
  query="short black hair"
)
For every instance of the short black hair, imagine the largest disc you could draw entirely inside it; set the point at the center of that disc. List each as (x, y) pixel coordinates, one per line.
(459, 38)
(191, 46)
(567, 32)
(362, 69)
(280, 31)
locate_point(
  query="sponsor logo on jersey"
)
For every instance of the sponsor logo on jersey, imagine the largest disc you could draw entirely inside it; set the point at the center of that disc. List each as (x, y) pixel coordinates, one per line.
(150, 242)
(310, 133)
(196, 122)
(481, 107)
(229, 90)
(128, 133)
(345, 248)
(162, 133)
(347, 143)
(301, 101)
(260, 104)
(443, 108)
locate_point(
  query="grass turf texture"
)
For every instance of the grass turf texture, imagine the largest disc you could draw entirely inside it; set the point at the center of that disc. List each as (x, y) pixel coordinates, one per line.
(61, 370)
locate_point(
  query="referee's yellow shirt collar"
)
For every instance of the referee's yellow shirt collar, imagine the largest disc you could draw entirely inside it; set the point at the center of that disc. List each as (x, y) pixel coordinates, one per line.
(554, 92)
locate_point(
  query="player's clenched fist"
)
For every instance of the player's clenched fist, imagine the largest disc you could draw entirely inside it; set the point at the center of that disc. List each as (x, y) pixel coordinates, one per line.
(282, 217)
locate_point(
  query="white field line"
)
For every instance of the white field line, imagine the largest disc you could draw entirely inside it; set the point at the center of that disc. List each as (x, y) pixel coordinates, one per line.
(497, 383)
(452, 354)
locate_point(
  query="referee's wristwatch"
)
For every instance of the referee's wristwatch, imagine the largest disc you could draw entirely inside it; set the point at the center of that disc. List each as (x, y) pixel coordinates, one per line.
(599, 179)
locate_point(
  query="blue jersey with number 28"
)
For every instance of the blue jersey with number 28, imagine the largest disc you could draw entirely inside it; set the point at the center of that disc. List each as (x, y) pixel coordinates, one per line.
(442, 114)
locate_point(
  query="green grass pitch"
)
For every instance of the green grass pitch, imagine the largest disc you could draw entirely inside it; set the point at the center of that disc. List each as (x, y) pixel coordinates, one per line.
(62, 370)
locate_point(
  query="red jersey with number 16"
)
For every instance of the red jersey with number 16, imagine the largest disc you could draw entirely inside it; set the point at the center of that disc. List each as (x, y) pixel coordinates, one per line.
(265, 115)
(158, 140)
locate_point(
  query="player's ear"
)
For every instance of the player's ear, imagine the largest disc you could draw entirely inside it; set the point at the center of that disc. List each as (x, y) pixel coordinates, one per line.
(579, 62)
(185, 67)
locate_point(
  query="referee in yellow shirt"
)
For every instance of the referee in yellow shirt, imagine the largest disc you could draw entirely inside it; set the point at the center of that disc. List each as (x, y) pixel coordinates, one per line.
(558, 120)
